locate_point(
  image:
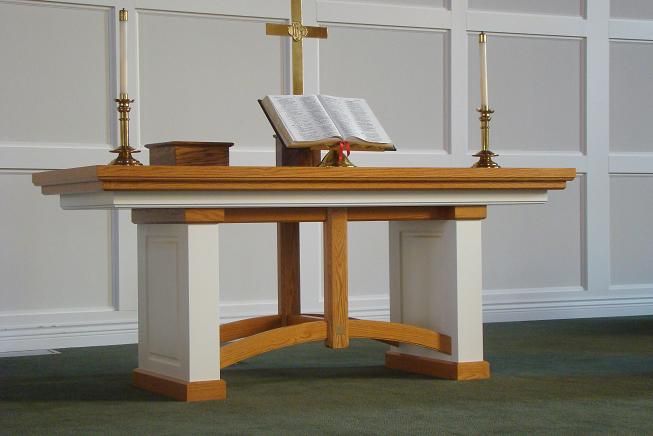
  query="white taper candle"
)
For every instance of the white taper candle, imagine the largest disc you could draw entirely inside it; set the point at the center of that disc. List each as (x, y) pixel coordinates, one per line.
(123, 51)
(482, 40)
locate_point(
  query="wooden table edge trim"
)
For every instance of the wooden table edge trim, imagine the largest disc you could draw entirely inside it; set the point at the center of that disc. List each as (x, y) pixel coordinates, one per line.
(268, 178)
(389, 186)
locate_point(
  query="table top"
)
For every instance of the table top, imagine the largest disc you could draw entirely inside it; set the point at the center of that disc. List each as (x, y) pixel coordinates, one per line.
(105, 178)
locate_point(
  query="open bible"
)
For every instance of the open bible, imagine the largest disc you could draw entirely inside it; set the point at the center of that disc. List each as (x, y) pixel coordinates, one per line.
(322, 121)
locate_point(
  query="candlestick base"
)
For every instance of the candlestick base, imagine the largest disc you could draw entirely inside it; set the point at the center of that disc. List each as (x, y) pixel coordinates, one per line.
(124, 150)
(485, 155)
(485, 160)
(125, 156)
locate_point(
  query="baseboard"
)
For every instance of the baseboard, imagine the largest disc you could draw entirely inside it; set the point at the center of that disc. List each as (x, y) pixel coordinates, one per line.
(67, 336)
(567, 309)
(84, 327)
(113, 328)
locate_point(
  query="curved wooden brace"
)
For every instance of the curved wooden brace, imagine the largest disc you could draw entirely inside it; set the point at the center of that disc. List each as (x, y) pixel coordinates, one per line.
(248, 327)
(395, 332)
(271, 340)
(302, 319)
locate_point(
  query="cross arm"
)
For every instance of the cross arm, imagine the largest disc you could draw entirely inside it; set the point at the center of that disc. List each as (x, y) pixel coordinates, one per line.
(285, 30)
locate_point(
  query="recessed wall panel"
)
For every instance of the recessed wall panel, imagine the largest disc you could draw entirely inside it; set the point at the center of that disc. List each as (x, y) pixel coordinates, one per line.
(55, 83)
(368, 258)
(534, 246)
(50, 259)
(201, 77)
(248, 262)
(553, 7)
(401, 75)
(631, 233)
(631, 92)
(536, 87)
(633, 9)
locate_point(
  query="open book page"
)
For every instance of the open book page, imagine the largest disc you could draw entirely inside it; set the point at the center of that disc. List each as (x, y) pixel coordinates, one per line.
(303, 117)
(354, 118)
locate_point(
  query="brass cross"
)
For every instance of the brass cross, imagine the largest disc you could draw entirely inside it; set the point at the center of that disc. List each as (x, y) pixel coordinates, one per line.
(298, 32)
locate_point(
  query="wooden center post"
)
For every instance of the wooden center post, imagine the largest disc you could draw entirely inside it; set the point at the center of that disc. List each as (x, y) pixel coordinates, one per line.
(288, 238)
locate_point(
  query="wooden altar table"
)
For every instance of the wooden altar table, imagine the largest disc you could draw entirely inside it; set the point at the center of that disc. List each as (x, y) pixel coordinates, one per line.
(435, 260)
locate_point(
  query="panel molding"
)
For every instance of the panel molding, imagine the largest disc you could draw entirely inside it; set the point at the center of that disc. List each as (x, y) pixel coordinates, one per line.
(261, 9)
(632, 288)
(631, 173)
(527, 24)
(640, 163)
(623, 29)
(530, 291)
(102, 5)
(383, 15)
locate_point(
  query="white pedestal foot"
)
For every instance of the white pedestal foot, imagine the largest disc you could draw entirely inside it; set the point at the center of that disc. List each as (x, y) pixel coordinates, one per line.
(435, 282)
(179, 354)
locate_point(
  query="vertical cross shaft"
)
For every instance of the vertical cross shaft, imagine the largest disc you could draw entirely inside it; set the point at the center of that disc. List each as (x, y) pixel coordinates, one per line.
(298, 32)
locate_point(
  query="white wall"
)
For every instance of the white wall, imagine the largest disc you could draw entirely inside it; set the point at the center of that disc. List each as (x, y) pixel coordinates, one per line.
(569, 80)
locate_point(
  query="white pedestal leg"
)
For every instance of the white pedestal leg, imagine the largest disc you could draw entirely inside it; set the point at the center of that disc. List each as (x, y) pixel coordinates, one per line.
(178, 321)
(435, 282)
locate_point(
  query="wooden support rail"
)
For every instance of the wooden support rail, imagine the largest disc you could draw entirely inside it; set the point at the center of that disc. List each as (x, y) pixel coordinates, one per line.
(262, 334)
(395, 332)
(248, 327)
(272, 340)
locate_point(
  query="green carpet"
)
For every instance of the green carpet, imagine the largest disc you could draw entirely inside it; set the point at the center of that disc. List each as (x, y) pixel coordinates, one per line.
(592, 376)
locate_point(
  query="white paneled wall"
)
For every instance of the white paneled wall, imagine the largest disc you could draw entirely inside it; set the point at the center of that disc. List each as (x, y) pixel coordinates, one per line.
(569, 80)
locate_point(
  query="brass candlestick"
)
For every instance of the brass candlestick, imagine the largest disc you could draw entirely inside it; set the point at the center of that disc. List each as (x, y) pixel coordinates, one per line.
(485, 155)
(124, 150)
